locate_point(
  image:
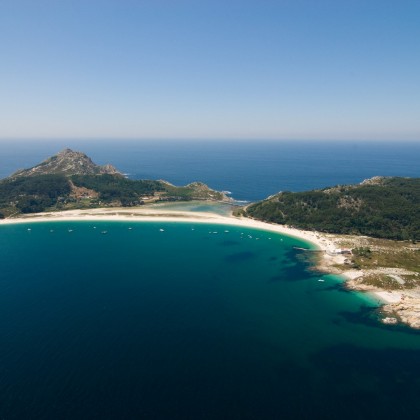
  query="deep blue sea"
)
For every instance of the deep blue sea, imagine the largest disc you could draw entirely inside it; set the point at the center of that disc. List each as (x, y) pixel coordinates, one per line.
(167, 321)
(186, 321)
(251, 170)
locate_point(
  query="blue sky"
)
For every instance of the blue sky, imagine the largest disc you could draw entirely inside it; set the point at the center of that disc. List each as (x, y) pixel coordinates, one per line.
(210, 69)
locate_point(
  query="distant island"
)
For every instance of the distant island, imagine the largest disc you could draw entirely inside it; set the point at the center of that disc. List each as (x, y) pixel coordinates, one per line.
(71, 180)
(366, 232)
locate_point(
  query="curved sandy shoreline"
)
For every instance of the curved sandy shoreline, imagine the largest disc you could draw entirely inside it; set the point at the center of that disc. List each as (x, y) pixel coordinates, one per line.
(319, 241)
(148, 215)
(325, 243)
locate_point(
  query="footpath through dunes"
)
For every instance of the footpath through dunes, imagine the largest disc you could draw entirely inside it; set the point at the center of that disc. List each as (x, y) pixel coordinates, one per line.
(170, 317)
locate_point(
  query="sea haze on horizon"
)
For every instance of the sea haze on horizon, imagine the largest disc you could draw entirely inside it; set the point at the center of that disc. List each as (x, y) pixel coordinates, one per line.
(251, 170)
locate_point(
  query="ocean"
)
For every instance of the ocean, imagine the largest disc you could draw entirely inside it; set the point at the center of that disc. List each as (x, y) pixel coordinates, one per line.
(185, 321)
(193, 321)
(250, 170)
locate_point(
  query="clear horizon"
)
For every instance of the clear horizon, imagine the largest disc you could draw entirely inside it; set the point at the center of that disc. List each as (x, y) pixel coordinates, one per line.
(210, 70)
(62, 140)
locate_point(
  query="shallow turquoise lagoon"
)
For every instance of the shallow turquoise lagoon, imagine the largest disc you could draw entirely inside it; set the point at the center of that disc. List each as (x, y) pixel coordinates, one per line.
(126, 320)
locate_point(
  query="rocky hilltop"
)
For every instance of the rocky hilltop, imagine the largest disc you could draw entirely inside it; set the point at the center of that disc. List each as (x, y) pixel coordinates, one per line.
(71, 180)
(67, 162)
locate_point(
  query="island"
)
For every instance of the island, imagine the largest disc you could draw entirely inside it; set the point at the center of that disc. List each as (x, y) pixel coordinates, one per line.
(71, 180)
(368, 233)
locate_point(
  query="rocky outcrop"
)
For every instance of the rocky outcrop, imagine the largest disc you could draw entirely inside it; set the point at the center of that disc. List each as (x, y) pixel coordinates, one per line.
(407, 310)
(67, 162)
(202, 190)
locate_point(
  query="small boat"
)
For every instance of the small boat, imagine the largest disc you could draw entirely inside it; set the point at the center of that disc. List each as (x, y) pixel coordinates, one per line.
(321, 280)
(29, 229)
(130, 228)
(104, 232)
(161, 230)
(70, 230)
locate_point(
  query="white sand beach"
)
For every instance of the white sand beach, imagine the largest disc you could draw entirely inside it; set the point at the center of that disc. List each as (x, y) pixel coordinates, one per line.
(405, 305)
(146, 214)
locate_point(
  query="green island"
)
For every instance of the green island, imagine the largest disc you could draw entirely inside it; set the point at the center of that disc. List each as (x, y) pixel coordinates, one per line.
(70, 180)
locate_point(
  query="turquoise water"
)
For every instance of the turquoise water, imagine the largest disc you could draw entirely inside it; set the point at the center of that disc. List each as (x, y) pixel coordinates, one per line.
(223, 209)
(187, 321)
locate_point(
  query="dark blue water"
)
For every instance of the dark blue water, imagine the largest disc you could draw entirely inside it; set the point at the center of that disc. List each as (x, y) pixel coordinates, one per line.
(250, 170)
(192, 324)
(187, 323)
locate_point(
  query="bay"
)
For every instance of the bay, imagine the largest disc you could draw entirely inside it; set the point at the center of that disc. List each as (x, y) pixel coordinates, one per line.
(188, 323)
(182, 320)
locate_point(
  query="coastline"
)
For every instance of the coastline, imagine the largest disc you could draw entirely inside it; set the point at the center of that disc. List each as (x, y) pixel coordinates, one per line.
(148, 214)
(396, 303)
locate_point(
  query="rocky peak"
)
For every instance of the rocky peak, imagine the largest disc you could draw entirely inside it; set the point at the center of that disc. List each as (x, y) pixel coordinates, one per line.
(68, 162)
(376, 180)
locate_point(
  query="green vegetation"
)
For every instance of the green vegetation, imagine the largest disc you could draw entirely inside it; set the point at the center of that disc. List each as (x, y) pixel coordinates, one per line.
(362, 252)
(387, 264)
(383, 208)
(113, 188)
(193, 191)
(70, 180)
(387, 282)
(397, 257)
(32, 194)
(382, 282)
(38, 193)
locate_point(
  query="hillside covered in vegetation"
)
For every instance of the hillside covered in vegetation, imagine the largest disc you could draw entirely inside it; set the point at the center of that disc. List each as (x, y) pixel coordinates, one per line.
(378, 207)
(70, 180)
